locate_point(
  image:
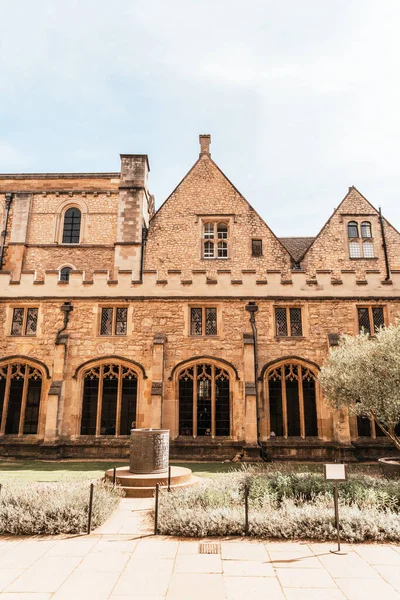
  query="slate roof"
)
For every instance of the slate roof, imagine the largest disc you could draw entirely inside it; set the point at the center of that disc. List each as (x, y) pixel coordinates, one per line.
(297, 246)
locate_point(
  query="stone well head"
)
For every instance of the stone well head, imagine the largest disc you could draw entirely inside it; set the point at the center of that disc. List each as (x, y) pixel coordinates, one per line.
(149, 451)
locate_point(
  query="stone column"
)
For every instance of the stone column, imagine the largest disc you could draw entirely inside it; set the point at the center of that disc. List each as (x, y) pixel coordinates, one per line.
(250, 416)
(158, 381)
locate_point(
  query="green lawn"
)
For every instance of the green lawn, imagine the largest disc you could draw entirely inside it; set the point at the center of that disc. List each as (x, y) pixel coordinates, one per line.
(38, 470)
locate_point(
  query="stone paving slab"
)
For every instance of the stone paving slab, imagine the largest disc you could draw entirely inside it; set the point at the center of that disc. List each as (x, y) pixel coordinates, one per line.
(123, 560)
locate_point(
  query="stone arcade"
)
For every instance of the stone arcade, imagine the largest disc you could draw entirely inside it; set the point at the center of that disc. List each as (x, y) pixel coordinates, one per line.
(114, 316)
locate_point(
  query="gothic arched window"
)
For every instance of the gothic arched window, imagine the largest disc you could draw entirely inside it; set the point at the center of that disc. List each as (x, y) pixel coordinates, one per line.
(109, 400)
(292, 401)
(204, 401)
(72, 226)
(20, 393)
(64, 273)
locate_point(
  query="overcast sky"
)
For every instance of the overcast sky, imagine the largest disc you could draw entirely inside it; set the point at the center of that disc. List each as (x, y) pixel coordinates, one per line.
(301, 97)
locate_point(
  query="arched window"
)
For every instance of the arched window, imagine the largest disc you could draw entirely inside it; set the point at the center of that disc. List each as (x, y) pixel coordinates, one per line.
(72, 226)
(215, 239)
(109, 400)
(204, 406)
(292, 400)
(352, 229)
(222, 250)
(64, 273)
(208, 250)
(366, 229)
(222, 231)
(20, 392)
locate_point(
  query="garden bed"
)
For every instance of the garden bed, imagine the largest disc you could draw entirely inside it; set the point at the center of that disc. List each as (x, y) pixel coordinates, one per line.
(284, 504)
(52, 508)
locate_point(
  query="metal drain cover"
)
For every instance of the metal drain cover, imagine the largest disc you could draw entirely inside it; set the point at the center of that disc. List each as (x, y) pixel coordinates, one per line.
(209, 548)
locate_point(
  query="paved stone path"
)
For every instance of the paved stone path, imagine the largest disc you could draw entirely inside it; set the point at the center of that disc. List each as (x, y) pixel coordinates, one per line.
(115, 563)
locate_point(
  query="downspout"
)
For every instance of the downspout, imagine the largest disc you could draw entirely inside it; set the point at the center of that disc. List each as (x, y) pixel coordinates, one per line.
(9, 199)
(252, 308)
(384, 246)
(144, 240)
(66, 308)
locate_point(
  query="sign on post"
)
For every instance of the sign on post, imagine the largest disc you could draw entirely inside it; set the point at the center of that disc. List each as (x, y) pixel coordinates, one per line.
(336, 473)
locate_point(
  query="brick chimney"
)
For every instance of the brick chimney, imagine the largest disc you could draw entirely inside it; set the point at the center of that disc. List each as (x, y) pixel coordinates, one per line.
(205, 141)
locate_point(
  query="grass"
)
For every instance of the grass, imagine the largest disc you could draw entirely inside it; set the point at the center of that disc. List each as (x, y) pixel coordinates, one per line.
(61, 470)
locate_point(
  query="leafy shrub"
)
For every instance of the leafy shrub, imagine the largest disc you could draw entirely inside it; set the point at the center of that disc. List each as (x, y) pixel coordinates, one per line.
(51, 508)
(284, 504)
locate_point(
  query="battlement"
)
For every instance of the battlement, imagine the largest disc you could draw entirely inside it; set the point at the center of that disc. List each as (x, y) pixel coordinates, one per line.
(249, 285)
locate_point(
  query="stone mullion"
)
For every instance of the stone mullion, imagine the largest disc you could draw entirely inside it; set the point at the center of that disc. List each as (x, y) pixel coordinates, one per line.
(99, 399)
(23, 403)
(195, 401)
(301, 402)
(119, 402)
(213, 428)
(284, 403)
(6, 399)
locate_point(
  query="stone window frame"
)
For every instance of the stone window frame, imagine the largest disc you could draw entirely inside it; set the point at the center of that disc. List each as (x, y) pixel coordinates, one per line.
(252, 247)
(114, 306)
(233, 392)
(6, 366)
(203, 306)
(101, 363)
(215, 221)
(304, 320)
(10, 318)
(65, 266)
(59, 221)
(319, 404)
(370, 306)
(360, 241)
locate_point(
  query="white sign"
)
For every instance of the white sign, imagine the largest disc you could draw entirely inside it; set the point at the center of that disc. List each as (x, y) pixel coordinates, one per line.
(335, 472)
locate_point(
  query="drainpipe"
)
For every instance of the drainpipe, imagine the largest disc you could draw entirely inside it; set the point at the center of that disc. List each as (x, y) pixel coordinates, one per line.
(385, 252)
(9, 199)
(66, 308)
(145, 231)
(252, 308)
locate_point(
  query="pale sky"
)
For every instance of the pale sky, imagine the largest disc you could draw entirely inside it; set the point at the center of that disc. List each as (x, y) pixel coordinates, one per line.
(301, 97)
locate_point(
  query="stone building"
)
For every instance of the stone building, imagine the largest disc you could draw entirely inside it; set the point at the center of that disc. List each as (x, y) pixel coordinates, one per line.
(195, 318)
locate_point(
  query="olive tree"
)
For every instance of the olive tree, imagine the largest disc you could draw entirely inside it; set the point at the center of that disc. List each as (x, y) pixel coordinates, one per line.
(363, 374)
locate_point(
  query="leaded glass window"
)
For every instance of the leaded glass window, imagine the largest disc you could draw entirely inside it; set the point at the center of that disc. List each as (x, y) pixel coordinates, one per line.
(72, 226)
(211, 321)
(370, 318)
(366, 229)
(368, 250)
(355, 250)
(352, 229)
(109, 402)
(113, 321)
(20, 394)
(24, 321)
(292, 401)
(204, 401)
(288, 321)
(203, 321)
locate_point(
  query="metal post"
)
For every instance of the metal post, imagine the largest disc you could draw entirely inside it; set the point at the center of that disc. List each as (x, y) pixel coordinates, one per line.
(246, 509)
(89, 527)
(156, 510)
(337, 522)
(114, 476)
(169, 478)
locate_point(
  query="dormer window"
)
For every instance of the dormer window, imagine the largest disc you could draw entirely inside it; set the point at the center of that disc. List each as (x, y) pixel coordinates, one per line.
(360, 246)
(215, 239)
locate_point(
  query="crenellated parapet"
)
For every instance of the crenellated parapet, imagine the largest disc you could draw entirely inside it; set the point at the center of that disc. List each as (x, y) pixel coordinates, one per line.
(274, 285)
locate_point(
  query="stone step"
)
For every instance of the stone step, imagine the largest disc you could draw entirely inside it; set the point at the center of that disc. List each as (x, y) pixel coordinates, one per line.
(127, 479)
(149, 492)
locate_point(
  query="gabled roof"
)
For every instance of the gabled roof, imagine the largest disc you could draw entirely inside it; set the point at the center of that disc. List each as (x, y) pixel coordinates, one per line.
(296, 246)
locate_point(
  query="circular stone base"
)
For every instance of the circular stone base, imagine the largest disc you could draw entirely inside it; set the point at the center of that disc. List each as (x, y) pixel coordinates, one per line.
(137, 485)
